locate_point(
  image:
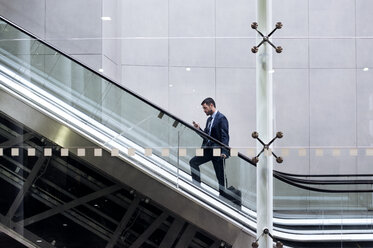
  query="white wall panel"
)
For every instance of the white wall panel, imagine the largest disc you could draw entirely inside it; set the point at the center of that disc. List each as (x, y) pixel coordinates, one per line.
(145, 52)
(364, 51)
(292, 105)
(294, 55)
(332, 107)
(187, 89)
(294, 16)
(192, 18)
(111, 31)
(233, 18)
(364, 18)
(332, 53)
(234, 52)
(18, 11)
(332, 18)
(235, 97)
(141, 18)
(75, 26)
(192, 52)
(147, 81)
(365, 108)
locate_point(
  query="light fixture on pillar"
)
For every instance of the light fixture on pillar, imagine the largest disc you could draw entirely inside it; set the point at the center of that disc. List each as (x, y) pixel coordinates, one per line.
(255, 135)
(255, 49)
(255, 244)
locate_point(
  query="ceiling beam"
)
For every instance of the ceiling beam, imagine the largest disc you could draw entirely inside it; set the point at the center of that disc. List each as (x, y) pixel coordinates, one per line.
(25, 187)
(21, 234)
(123, 223)
(216, 244)
(72, 204)
(51, 202)
(144, 236)
(172, 233)
(187, 237)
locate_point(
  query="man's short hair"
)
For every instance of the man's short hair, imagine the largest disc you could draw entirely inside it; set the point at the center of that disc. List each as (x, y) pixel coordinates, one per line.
(208, 101)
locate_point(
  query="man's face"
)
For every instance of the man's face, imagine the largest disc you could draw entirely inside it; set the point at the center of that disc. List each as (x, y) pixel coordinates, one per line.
(208, 109)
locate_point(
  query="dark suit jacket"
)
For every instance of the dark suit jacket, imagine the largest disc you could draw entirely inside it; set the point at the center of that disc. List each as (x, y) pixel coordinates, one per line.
(219, 131)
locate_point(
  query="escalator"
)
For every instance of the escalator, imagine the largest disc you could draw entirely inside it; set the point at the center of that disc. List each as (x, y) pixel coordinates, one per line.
(97, 143)
(82, 113)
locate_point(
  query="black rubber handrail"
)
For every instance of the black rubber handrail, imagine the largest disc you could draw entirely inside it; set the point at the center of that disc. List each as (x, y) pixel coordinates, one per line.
(127, 90)
(289, 181)
(327, 182)
(324, 175)
(293, 178)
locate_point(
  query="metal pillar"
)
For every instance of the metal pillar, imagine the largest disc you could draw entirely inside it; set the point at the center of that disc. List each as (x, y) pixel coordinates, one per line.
(264, 108)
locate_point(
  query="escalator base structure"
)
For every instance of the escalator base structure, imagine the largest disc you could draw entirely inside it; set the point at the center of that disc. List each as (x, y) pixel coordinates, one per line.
(172, 202)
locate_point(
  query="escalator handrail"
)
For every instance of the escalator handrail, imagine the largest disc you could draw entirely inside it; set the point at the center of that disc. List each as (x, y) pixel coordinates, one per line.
(327, 182)
(323, 175)
(295, 184)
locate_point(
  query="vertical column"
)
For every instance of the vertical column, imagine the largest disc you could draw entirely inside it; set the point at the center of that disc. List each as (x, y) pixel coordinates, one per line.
(264, 104)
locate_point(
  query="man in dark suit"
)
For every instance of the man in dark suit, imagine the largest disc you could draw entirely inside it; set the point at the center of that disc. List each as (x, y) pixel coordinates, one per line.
(218, 128)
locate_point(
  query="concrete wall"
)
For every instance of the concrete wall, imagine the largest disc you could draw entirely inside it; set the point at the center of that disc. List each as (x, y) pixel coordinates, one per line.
(318, 82)
(178, 52)
(56, 22)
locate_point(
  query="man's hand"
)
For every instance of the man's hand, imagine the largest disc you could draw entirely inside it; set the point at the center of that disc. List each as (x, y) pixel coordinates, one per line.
(223, 156)
(196, 125)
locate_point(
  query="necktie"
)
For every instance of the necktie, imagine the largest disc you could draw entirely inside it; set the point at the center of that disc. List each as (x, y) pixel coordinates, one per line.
(209, 125)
